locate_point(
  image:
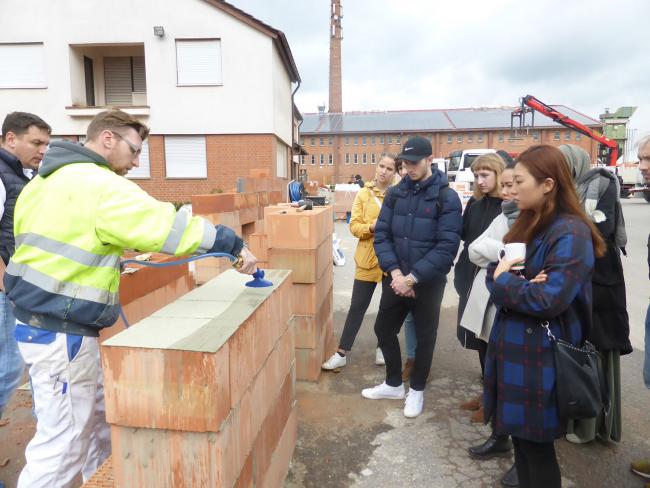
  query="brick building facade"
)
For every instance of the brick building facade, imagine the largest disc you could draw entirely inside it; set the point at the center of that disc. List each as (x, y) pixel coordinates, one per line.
(342, 145)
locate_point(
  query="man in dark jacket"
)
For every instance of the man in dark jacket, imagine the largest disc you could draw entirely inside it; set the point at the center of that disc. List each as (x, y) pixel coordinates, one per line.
(416, 240)
(24, 140)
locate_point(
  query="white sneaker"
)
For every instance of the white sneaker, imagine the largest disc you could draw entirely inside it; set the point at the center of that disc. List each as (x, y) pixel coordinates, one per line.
(335, 361)
(384, 391)
(379, 358)
(413, 403)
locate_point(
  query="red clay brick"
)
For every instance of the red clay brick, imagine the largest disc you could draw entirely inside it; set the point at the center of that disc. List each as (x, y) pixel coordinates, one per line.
(166, 389)
(299, 230)
(279, 467)
(271, 378)
(307, 265)
(308, 328)
(309, 361)
(170, 458)
(273, 428)
(209, 204)
(229, 219)
(248, 215)
(308, 298)
(258, 244)
(242, 360)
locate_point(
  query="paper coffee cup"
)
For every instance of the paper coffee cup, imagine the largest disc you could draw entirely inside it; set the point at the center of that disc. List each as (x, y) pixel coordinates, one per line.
(516, 251)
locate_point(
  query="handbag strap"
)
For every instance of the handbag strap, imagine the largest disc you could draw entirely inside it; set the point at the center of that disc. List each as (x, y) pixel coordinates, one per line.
(589, 349)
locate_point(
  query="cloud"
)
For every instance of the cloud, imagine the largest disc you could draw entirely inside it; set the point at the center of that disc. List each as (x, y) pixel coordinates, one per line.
(423, 54)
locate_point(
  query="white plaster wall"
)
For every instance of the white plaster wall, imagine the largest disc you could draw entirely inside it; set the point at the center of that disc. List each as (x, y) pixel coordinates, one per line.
(282, 106)
(251, 100)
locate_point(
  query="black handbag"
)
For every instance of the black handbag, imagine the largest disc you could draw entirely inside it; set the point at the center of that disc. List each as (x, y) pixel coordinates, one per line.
(579, 379)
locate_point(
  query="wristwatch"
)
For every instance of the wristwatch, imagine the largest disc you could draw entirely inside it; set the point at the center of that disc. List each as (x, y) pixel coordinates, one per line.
(410, 281)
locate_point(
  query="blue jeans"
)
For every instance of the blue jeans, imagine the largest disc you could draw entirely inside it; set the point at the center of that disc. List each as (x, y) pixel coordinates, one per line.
(11, 363)
(409, 335)
(646, 363)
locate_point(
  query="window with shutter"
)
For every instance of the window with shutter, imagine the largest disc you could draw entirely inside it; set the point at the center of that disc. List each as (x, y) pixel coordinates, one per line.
(124, 76)
(198, 62)
(118, 82)
(185, 157)
(22, 66)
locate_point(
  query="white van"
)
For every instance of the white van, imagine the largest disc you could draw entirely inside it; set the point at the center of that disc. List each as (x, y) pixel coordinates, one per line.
(460, 163)
(440, 163)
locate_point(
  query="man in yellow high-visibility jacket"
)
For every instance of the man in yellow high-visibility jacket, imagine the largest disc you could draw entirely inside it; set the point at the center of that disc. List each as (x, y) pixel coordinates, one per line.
(72, 223)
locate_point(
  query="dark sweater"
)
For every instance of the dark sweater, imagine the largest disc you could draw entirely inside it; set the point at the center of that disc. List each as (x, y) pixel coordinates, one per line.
(478, 216)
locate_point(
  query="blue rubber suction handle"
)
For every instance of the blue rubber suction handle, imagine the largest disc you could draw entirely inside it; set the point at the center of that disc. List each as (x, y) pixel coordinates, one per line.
(258, 280)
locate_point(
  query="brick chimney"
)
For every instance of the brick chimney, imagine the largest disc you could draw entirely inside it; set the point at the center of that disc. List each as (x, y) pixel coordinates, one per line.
(336, 89)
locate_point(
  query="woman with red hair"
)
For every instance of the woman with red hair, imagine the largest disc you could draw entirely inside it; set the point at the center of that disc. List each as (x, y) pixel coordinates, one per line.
(519, 392)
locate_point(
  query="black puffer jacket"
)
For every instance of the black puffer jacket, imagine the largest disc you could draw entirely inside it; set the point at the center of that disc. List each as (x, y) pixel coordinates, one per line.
(419, 227)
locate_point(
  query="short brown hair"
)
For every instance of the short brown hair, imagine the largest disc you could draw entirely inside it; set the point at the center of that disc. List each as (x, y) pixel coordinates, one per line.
(114, 120)
(20, 122)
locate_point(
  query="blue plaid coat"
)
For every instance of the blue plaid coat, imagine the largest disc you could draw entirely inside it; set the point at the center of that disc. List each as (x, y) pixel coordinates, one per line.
(519, 391)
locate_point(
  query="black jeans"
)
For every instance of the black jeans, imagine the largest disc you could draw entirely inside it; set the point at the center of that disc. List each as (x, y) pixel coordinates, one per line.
(536, 463)
(393, 309)
(361, 296)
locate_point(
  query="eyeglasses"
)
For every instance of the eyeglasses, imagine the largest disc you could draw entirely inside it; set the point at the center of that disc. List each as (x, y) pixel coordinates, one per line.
(135, 150)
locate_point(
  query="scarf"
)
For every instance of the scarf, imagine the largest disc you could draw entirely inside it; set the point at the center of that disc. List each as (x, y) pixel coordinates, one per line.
(591, 185)
(511, 211)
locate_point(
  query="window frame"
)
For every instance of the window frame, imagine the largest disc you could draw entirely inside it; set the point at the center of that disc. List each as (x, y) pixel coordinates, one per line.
(169, 138)
(204, 39)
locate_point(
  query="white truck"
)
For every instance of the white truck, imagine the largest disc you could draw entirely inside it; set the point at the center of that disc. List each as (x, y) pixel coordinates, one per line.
(460, 163)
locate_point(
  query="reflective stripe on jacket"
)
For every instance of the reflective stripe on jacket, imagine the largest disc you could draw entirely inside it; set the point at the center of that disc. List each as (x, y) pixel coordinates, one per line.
(72, 227)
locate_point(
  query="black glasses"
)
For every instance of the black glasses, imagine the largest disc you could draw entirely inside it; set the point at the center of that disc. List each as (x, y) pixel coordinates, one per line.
(135, 150)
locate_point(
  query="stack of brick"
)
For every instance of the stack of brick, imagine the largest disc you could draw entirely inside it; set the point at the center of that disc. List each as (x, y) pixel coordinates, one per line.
(302, 242)
(202, 393)
(344, 196)
(242, 211)
(149, 289)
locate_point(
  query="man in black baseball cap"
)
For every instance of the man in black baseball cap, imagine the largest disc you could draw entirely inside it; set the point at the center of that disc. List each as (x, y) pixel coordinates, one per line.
(416, 157)
(416, 149)
(416, 240)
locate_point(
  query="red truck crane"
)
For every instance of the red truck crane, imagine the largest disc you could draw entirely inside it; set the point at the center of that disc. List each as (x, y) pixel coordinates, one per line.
(608, 150)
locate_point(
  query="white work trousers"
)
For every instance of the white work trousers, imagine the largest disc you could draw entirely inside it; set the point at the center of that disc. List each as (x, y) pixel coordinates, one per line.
(71, 431)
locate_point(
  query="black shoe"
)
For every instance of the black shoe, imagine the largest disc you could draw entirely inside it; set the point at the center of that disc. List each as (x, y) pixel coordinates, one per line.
(494, 446)
(510, 478)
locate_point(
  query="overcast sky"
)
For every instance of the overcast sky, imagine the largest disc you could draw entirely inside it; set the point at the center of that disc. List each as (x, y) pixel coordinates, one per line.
(421, 54)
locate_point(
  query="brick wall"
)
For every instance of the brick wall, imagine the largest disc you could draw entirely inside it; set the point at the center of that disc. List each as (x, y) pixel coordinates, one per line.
(228, 158)
(340, 172)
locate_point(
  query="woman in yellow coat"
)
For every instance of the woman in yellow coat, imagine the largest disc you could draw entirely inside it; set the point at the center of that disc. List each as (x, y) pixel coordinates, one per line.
(365, 211)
